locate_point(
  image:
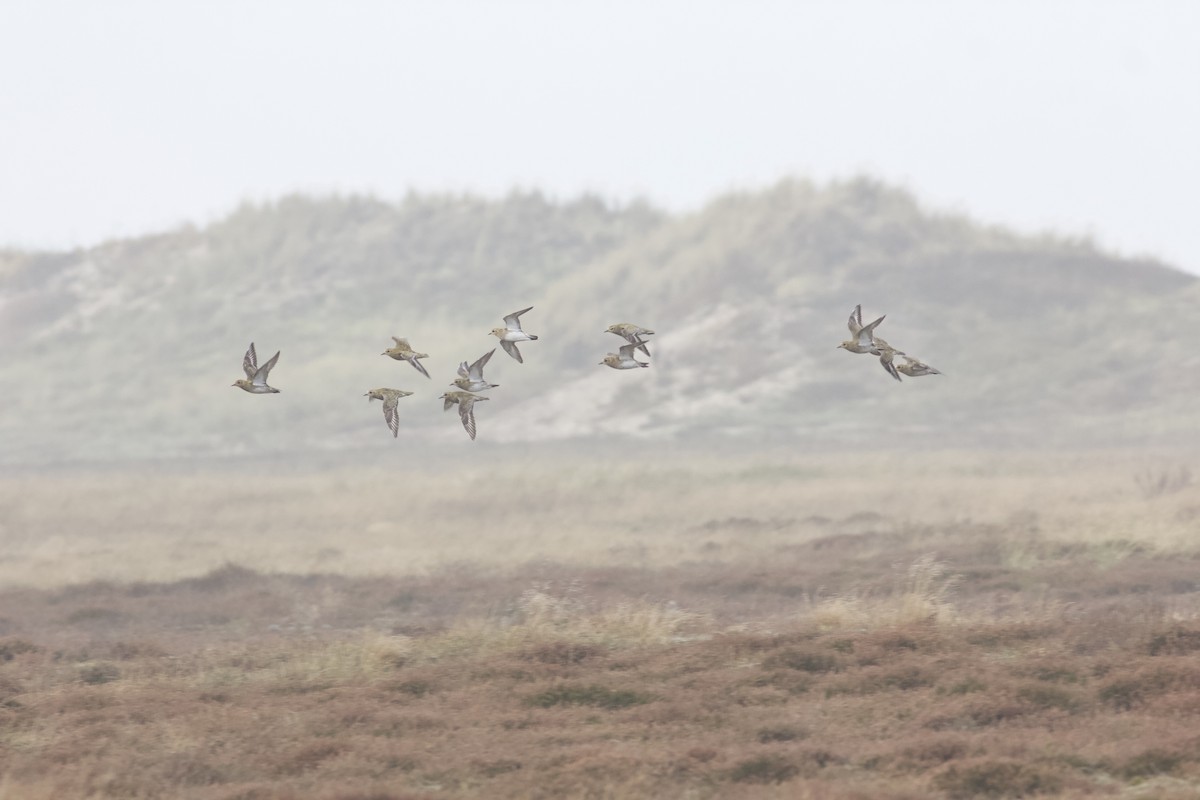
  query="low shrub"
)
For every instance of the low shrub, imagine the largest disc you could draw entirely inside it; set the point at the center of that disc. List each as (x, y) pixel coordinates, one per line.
(805, 660)
(764, 769)
(783, 733)
(597, 696)
(994, 778)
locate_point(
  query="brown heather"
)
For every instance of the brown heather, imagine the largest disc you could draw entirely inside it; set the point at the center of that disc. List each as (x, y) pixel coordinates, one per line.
(743, 630)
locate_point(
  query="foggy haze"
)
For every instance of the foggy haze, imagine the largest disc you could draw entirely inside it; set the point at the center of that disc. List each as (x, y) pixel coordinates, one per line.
(134, 117)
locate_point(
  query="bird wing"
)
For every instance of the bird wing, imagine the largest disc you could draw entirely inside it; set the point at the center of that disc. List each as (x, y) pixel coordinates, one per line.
(419, 366)
(885, 361)
(512, 322)
(641, 345)
(475, 373)
(260, 375)
(511, 349)
(627, 350)
(401, 343)
(464, 370)
(855, 321)
(466, 412)
(250, 362)
(389, 413)
(866, 334)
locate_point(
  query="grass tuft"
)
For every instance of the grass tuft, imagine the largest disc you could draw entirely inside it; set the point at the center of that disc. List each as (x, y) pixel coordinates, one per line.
(764, 769)
(782, 733)
(597, 696)
(996, 778)
(96, 674)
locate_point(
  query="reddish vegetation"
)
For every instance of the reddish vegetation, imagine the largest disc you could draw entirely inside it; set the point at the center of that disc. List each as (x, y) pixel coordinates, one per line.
(1073, 675)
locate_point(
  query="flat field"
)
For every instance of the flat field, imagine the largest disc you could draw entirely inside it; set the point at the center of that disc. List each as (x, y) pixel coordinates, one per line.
(851, 625)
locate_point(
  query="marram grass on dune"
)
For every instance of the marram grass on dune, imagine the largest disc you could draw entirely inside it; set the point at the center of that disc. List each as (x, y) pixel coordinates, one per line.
(255, 381)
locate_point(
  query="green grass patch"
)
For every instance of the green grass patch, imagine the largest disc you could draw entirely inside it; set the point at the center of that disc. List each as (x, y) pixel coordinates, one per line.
(596, 696)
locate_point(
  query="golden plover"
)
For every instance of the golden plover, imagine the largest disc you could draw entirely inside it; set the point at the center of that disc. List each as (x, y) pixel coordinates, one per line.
(389, 397)
(255, 381)
(511, 333)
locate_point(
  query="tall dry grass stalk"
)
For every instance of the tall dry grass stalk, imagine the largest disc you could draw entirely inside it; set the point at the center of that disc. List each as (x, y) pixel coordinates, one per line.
(1157, 482)
(922, 595)
(545, 613)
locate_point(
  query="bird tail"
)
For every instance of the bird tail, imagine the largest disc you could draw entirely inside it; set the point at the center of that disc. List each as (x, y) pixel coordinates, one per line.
(532, 337)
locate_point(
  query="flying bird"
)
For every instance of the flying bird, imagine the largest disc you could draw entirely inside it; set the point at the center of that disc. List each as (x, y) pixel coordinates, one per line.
(472, 376)
(255, 381)
(862, 337)
(466, 408)
(625, 359)
(632, 334)
(511, 333)
(403, 352)
(390, 398)
(916, 369)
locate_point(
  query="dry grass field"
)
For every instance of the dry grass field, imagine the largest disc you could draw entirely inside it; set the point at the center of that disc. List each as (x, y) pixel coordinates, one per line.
(657, 625)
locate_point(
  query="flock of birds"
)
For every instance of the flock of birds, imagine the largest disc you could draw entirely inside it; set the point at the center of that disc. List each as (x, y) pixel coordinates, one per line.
(863, 340)
(471, 382)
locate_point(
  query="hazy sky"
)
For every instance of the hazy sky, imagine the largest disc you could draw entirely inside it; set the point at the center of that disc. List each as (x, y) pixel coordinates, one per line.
(124, 117)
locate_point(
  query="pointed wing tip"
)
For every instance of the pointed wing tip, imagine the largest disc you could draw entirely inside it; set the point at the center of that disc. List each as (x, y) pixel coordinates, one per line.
(511, 349)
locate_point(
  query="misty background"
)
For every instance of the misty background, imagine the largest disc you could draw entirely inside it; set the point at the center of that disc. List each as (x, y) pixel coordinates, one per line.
(1010, 185)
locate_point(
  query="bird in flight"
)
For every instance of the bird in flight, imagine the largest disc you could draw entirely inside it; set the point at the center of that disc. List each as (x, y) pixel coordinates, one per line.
(511, 333)
(625, 359)
(390, 398)
(466, 408)
(403, 352)
(255, 381)
(632, 334)
(862, 337)
(915, 369)
(472, 376)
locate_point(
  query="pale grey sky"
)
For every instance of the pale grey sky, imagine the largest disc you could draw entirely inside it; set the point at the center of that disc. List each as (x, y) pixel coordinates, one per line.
(126, 117)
